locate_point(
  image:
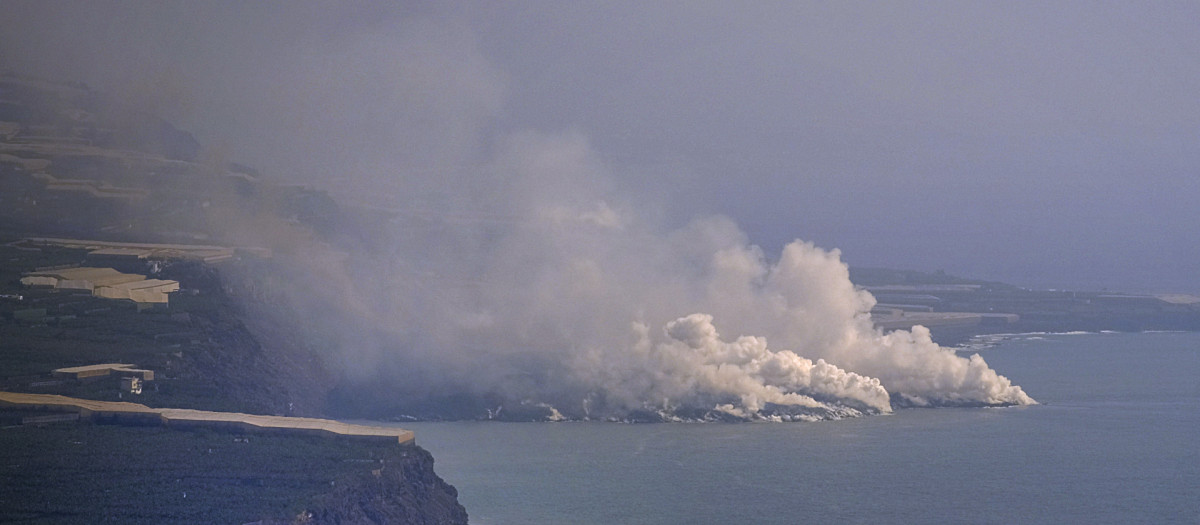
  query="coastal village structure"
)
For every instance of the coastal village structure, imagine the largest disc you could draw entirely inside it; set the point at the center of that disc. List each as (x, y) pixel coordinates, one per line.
(103, 370)
(137, 414)
(78, 278)
(144, 291)
(141, 250)
(104, 282)
(132, 385)
(901, 307)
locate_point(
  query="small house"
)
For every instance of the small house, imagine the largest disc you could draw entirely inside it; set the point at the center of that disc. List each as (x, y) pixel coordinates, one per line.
(131, 384)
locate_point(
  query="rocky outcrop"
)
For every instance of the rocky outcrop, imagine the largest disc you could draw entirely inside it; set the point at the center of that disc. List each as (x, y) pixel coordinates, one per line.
(403, 490)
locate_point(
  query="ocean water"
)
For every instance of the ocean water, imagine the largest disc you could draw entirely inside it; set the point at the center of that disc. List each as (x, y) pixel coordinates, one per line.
(1115, 440)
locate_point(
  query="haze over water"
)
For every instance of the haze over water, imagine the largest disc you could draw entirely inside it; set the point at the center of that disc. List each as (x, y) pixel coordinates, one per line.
(1114, 441)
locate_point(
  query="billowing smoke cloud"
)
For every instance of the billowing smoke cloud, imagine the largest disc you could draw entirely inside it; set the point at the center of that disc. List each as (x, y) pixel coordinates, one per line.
(542, 286)
(747, 369)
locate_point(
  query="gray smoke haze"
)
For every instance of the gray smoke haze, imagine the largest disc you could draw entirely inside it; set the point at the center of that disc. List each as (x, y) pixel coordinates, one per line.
(1043, 145)
(544, 286)
(601, 199)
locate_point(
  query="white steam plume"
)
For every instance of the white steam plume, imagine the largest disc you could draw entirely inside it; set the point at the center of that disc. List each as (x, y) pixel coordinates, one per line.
(746, 368)
(513, 263)
(526, 287)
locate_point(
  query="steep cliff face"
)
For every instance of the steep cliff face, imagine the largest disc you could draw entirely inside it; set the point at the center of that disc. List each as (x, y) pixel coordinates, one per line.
(74, 165)
(84, 473)
(403, 490)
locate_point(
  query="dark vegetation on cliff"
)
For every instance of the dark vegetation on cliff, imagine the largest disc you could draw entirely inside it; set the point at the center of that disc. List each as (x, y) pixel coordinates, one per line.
(199, 346)
(204, 358)
(85, 473)
(73, 164)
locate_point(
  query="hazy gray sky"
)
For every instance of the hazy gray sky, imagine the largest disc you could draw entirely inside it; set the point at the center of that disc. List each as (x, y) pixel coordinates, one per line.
(1048, 144)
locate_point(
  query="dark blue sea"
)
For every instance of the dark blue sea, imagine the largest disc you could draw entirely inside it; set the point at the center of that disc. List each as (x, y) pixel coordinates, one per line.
(1116, 439)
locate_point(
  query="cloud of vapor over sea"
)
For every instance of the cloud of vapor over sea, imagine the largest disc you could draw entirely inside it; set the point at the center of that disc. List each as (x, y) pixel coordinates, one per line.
(539, 285)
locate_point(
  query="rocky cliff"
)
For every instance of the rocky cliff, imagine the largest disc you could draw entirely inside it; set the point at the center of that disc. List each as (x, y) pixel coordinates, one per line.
(403, 491)
(72, 164)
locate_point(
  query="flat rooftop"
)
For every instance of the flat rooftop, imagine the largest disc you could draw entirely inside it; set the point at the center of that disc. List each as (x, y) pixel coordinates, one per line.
(89, 409)
(91, 368)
